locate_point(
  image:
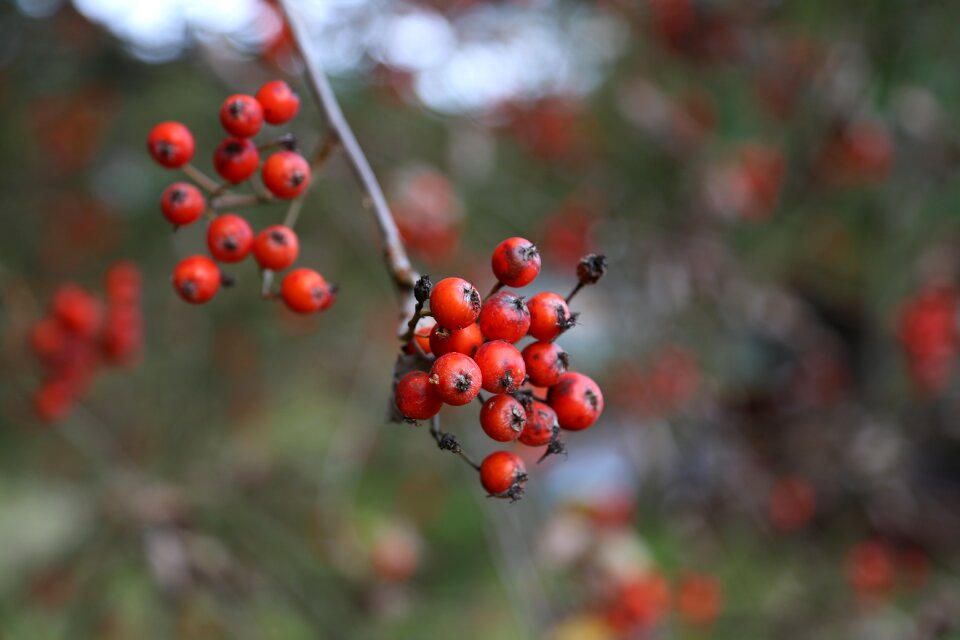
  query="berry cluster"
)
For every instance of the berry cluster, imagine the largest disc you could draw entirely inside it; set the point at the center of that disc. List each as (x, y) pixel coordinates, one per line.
(470, 346)
(80, 332)
(230, 239)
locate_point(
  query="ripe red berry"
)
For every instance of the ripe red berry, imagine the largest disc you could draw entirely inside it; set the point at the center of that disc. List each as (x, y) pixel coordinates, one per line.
(241, 116)
(502, 474)
(454, 303)
(504, 316)
(122, 335)
(516, 262)
(416, 398)
(229, 238)
(541, 425)
(122, 283)
(171, 144)
(279, 102)
(465, 341)
(196, 279)
(549, 316)
(501, 365)
(236, 159)
(78, 310)
(53, 401)
(48, 339)
(286, 174)
(456, 377)
(276, 247)
(423, 332)
(502, 418)
(546, 362)
(182, 203)
(577, 401)
(305, 291)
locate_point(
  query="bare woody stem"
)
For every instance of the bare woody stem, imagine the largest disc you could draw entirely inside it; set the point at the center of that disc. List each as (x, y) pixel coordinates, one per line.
(448, 442)
(202, 179)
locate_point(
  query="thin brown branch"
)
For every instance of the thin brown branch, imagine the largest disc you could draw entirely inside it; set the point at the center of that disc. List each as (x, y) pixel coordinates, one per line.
(202, 179)
(233, 201)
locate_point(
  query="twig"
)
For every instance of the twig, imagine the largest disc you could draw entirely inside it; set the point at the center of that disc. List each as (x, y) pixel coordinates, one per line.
(202, 179)
(449, 442)
(233, 201)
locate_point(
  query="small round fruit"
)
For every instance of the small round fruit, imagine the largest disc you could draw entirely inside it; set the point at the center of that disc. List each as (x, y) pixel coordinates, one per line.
(286, 174)
(305, 291)
(541, 425)
(241, 116)
(456, 378)
(196, 279)
(182, 203)
(416, 398)
(502, 474)
(455, 303)
(48, 339)
(236, 159)
(504, 316)
(229, 238)
(502, 418)
(78, 310)
(577, 401)
(546, 362)
(465, 341)
(280, 103)
(171, 144)
(276, 247)
(422, 333)
(549, 316)
(501, 365)
(516, 262)
(123, 283)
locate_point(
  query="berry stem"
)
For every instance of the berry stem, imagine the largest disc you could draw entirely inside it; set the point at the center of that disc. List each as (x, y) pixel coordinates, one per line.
(449, 442)
(495, 288)
(407, 337)
(266, 286)
(202, 179)
(234, 201)
(576, 290)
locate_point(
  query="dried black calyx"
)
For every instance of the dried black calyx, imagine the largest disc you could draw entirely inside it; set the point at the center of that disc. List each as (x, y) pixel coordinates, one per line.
(227, 280)
(449, 442)
(591, 268)
(554, 447)
(422, 289)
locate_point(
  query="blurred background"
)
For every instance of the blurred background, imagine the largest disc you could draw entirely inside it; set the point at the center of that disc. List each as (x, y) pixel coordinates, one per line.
(773, 184)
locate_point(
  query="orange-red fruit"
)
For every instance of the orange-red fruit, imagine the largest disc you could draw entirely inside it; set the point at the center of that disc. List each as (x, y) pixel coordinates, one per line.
(279, 102)
(48, 338)
(502, 473)
(171, 144)
(305, 291)
(577, 401)
(78, 310)
(236, 159)
(229, 238)
(870, 569)
(699, 598)
(53, 401)
(465, 341)
(549, 315)
(276, 247)
(504, 316)
(456, 377)
(416, 398)
(791, 504)
(516, 262)
(242, 116)
(196, 279)
(546, 362)
(286, 174)
(454, 303)
(501, 365)
(541, 425)
(123, 282)
(182, 203)
(502, 418)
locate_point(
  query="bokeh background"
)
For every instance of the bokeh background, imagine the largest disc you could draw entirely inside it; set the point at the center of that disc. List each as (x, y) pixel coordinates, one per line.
(773, 183)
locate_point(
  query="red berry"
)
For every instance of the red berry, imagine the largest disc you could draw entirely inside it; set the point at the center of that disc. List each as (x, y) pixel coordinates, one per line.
(577, 401)
(123, 282)
(516, 262)
(236, 159)
(229, 238)
(276, 247)
(182, 203)
(502, 418)
(504, 316)
(286, 174)
(549, 316)
(422, 333)
(122, 334)
(48, 339)
(196, 279)
(416, 398)
(53, 401)
(77, 310)
(501, 365)
(546, 362)
(541, 425)
(171, 144)
(454, 303)
(465, 341)
(241, 116)
(502, 474)
(279, 102)
(456, 378)
(305, 291)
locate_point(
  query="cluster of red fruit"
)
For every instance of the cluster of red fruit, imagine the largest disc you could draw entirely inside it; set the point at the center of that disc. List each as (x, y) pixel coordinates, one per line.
(472, 347)
(230, 238)
(80, 332)
(928, 332)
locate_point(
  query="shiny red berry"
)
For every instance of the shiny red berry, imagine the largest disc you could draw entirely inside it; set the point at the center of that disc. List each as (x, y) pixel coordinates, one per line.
(502, 418)
(171, 144)
(236, 159)
(504, 316)
(456, 377)
(516, 262)
(465, 341)
(182, 203)
(416, 398)
(577, 401)
(305, 291)
(286, 174)
(78, 310)
(501, 365)
(454, 303)
(502, 474)
(546, 362)
(279, 102)
(196, 279)
(241, 116)
(123, 282)
(229, 238)
(276, 247)
(541, 425)
(549, 316)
